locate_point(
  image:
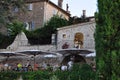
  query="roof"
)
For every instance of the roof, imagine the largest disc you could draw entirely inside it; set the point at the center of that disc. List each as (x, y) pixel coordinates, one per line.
(73, 26)
(50, 2)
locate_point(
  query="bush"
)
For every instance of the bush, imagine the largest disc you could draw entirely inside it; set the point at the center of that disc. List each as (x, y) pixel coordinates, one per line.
(9, 75)
(5, 41)
(15, 28)
(86, 73)
(37, 75)
(43, 35)
(78, 72)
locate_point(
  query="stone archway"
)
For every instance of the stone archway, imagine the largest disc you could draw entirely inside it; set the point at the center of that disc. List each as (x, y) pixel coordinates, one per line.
(77, 59)
(78, 40)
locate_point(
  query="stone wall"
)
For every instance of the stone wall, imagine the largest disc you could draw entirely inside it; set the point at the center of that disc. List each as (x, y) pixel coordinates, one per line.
(51, 10)
(21, 43)
(37, 47)
(87, 29)
(41, 12)
(36, 14)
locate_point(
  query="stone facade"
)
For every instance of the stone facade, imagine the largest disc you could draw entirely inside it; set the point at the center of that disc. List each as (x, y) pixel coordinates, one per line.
(67, 35)
(39, 12)
(53, 10)
(20, 40)
(66, 38)
(32, 17)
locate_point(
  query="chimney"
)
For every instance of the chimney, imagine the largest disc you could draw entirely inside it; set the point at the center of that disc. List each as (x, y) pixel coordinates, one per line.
(60, 3)
(67, 7)
(84, 13)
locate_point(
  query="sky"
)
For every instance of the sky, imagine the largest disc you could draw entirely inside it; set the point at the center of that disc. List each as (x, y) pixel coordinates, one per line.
(77, 6)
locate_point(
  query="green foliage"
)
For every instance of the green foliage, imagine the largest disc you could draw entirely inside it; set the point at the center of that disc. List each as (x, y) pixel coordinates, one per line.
(107, 40)
(78, 72)
(15, 28)
(83, 72)
(54, 23)
(54, 78)
(51, 26)
(43, 35)
(37, 75)
(9, 75)
(61, 75)
(5, 41)
(38, 36)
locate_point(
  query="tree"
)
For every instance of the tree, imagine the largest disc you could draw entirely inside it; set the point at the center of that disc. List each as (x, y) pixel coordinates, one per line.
(55, 22)
(107, 40)
(6, 7)
(43, 35)
(52, 25)
(15, 28)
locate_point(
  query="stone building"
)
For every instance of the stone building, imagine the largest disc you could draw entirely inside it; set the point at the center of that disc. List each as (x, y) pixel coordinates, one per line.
(75, 36)
(39, 12)
(76, 41)
(78, 35)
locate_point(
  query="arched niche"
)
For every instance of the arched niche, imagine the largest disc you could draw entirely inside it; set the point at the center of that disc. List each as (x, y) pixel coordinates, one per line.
(76, 59)
(78, 40)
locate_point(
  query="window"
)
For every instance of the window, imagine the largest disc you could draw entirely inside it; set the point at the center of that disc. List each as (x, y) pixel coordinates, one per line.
(29, 25)
(64, 35)
(30, 7)
(54, 12)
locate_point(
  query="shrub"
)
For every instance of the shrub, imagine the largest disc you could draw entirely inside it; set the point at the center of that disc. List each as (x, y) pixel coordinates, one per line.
(9, 75)
(37, 75)
(78, 72)
(5, 41)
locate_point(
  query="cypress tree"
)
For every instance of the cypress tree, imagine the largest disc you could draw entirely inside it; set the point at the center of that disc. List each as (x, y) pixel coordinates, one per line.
(107, 40)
